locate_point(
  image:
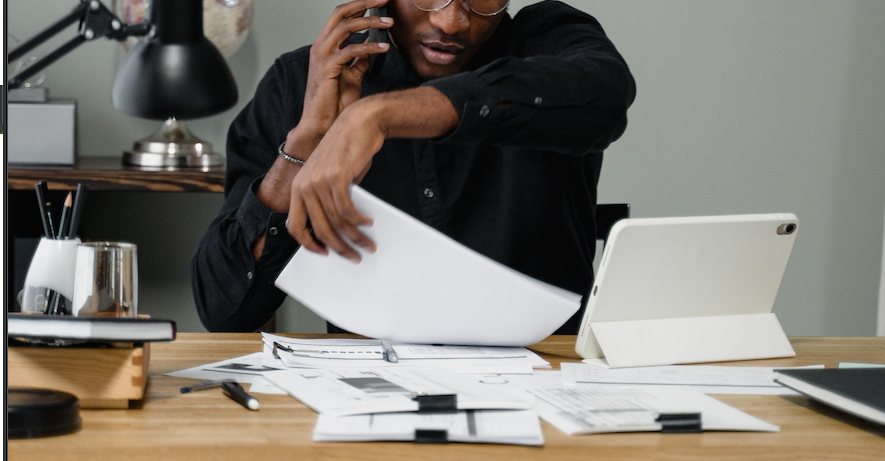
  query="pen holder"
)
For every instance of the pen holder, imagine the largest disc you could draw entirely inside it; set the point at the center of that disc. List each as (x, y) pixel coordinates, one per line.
(49, 285)
(106, 281)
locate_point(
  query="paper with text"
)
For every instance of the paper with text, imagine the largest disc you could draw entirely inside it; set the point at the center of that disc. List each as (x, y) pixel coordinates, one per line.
(710, 379)
(246, 369)
(601, 408)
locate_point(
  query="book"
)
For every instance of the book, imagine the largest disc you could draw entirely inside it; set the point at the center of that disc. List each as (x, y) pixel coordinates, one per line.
(50, 328)
(854, 390)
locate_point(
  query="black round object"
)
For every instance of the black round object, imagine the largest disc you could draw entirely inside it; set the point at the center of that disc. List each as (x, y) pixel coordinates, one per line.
(33, 413)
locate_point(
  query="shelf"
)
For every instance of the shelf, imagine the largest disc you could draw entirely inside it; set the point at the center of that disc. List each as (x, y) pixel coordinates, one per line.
(109, 174)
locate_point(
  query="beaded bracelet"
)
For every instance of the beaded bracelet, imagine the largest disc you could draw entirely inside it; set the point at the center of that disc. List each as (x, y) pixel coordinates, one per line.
(289, 157)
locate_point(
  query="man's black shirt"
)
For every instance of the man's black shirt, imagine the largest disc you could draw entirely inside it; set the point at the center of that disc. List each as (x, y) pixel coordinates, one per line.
(515, 181)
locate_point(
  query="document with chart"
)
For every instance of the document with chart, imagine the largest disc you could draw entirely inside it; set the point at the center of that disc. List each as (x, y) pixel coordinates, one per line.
(602, 408)
(514, 427)
(344, 392)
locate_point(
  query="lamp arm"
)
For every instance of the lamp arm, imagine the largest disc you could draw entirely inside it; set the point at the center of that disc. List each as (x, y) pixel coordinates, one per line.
(96, 20)
(48, 32)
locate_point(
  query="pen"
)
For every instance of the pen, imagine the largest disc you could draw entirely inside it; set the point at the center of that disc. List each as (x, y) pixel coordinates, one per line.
(239, 395)
(65, 217)
(206, 385)
(49, 296)
(40, 187)
(389, 354)
(58, 305)
(47, 209)
(79, 204)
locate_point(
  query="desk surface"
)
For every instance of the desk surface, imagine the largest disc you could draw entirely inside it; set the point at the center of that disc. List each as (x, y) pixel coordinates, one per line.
(206, 425)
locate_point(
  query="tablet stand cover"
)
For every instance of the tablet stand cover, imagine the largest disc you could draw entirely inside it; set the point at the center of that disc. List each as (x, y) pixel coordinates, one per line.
(689, 290)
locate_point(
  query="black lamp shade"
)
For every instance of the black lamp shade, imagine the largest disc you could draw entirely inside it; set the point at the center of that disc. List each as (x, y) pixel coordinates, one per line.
(174, 71)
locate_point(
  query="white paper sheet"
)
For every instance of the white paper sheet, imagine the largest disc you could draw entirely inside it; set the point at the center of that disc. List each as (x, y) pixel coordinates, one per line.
(860, 365)
(345, 392)
(601, 408)
(423, 287)
(709, 379)
(246, 369)
(520, 427)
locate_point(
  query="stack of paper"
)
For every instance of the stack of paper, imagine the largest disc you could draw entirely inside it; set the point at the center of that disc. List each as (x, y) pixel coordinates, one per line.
(410, 404)
(369, 353)
(466, 394)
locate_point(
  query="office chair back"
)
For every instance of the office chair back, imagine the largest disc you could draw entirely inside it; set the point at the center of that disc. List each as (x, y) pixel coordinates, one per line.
(607, 214)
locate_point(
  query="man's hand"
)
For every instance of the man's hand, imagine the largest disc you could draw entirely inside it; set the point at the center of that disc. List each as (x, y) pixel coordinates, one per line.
(320, 208)
(334, 80)
(321, 213)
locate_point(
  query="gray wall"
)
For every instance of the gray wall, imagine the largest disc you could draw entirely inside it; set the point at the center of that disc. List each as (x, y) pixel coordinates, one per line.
(743, 106)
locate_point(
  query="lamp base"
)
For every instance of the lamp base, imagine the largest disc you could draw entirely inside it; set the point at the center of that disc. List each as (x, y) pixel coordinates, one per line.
(172, 147)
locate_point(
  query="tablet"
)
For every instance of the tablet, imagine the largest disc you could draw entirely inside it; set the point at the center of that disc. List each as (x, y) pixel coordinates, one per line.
(689, 289)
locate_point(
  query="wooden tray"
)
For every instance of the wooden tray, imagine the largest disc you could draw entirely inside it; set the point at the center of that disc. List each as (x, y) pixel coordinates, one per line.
(99, 377)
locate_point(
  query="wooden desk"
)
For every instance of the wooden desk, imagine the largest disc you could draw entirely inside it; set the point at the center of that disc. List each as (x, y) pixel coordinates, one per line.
(208, 425)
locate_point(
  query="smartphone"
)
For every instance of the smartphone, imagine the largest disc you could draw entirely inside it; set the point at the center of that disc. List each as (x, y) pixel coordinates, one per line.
(377, 36)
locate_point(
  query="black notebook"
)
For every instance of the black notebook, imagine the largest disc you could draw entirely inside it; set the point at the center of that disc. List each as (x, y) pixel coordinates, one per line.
(859, 391)
(67, 327)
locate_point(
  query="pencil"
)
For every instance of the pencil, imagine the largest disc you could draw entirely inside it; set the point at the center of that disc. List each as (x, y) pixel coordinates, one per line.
(65, 217)
(206, 385)
(77, 214)
(40, 187)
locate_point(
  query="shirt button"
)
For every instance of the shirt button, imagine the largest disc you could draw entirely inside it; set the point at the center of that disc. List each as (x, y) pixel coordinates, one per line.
(249, 275)
(539, 100)
(273, 231)
(484, 111)
(428, 192)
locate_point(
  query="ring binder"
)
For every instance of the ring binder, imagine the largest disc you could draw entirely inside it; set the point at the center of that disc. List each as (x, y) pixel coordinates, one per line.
(439, 403)
(435, 436)
(679, 423)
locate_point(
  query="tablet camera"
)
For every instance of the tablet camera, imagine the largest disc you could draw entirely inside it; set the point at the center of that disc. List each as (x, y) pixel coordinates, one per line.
(786, 228)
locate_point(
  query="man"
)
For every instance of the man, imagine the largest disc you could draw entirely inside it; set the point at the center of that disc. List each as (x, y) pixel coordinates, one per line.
(489, 128)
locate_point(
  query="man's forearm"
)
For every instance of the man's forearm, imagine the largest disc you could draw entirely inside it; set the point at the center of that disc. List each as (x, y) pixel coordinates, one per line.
(322, 217)
(417, 113)
(274, 188)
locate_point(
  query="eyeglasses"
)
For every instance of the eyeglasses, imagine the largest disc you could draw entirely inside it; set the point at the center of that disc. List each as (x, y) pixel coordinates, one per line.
(480, 7)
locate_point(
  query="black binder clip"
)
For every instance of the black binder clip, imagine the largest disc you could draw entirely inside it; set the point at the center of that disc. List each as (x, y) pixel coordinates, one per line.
(277, 346)
(437, 436)
(680, 423)
(438, 403)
